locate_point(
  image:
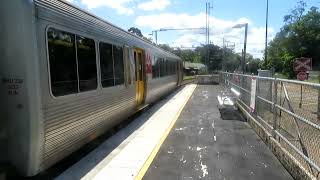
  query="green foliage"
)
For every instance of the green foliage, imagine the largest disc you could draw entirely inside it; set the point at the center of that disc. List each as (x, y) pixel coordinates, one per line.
(299, 37)
(135, 31)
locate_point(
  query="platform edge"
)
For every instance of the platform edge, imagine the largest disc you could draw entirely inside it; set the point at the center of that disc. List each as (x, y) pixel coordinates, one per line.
(154, 152)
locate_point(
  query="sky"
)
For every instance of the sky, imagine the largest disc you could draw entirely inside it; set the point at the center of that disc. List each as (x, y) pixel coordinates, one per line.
(148, 15)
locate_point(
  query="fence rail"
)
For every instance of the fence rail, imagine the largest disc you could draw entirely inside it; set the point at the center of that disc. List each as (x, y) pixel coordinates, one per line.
(288, 109)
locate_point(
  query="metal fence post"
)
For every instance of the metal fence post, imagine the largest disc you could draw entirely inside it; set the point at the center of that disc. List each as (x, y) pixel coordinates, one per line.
(300, 104)
(274, 108)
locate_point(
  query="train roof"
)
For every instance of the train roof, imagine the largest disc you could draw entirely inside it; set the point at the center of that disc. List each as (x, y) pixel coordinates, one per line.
(65, 6)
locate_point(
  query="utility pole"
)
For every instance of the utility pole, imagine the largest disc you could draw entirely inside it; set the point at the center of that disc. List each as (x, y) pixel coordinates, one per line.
(208, 42)
(156, 34)
(223, 54)
(242, 64)
(245, 48)
(266, 43)
(208, 48)
(209, 7)
(206, 57)
(206, 23)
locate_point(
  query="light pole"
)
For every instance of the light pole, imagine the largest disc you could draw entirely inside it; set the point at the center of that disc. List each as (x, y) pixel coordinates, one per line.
(245, 44)
(156, 35)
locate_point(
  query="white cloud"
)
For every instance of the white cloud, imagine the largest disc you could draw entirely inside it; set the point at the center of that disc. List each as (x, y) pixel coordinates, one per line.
(188, 40)
(183, 20)
(70, 1)
(154, 5)
(219, 29)
(119, 5)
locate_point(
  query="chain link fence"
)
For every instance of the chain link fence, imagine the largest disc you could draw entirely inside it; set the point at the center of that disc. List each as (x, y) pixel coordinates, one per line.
(288, 109)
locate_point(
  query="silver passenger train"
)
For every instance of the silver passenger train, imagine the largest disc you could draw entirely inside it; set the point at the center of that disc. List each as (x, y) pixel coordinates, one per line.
(67, 76)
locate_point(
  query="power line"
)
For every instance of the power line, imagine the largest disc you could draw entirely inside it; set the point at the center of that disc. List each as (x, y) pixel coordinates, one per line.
(180, 29)
(171, 29)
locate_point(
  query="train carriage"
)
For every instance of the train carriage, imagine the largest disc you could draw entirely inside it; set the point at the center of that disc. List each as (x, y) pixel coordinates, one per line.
(67, 76)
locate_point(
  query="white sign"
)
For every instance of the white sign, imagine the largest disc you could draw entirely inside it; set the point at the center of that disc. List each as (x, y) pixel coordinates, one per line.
(253, 94)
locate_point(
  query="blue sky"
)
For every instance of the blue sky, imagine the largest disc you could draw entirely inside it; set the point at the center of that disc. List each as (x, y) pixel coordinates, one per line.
(149, 15)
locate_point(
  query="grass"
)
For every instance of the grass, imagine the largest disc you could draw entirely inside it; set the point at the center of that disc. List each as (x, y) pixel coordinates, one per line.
(280, 75)
(283, 76)
(313, 80)
(188, 77)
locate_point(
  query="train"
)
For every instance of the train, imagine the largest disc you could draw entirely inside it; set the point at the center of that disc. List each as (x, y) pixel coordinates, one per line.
(68, 76)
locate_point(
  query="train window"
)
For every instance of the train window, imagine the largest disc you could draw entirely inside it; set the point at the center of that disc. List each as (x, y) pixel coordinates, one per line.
(106, 64)
(167, 67)
(127, 64)
(87, 67)
(135, 59)
(155, 67)
(162, 67)
(173, 68)
(118, 65)
(62, 61)
(170, 68)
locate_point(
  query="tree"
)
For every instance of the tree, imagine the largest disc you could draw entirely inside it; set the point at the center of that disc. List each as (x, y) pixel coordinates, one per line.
(299, 37)
(135, 31)
(296, 13)
(220, 59)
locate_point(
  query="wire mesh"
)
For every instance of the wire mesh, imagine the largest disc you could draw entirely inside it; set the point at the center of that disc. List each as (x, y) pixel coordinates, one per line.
(297, 114)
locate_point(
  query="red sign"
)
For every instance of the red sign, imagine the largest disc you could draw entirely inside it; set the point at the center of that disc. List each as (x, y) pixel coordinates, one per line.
(302, 76)
(148, 63)
(302, 64)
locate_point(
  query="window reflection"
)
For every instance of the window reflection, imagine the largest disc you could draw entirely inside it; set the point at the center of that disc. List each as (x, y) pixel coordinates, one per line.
(62, 60)
(106, 65)
(86, 64)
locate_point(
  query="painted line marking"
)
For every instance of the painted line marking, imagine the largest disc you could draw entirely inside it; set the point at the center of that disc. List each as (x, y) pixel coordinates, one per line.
(214, 132)
(154, 152)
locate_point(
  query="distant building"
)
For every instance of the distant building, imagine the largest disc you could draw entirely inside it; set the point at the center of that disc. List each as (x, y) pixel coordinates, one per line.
(190, 68)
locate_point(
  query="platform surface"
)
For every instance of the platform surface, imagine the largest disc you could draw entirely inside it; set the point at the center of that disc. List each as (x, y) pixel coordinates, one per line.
(202, 145)
(124, 155)
(182, 137)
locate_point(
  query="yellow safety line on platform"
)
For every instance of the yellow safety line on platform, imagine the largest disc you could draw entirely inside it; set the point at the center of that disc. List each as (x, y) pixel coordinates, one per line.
(154, 152)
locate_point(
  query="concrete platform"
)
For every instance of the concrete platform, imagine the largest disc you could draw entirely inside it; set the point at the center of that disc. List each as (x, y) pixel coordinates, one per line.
(204, 146)
(127, 154)
(182, 137)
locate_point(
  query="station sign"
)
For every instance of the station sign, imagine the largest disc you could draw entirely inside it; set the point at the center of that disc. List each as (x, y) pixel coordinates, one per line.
(302, 64)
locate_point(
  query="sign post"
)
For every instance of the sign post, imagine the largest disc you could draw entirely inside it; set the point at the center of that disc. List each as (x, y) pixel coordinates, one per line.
(253, 94)
(301, 65)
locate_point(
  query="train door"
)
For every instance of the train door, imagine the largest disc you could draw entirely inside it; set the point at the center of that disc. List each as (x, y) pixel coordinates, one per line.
(140, 79)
